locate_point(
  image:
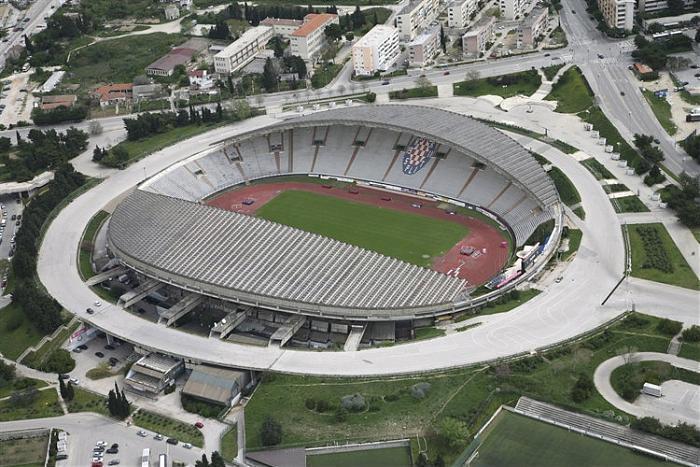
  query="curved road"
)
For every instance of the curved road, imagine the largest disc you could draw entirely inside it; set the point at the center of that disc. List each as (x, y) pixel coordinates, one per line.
(668, 412)
(563, 311)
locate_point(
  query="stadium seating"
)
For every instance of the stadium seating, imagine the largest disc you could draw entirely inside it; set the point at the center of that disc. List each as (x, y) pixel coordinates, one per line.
(453, 176)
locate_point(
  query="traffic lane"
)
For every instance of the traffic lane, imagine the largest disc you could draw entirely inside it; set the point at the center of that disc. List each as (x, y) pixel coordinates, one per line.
(11, 208)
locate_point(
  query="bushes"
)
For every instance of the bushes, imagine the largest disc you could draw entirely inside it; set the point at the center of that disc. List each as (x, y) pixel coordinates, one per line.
(205, 409)
(353, 403)
(583, 389)
(60, 361)
(59, 115)
(655, 255)
(683, 432)
(420, 390)
(669, 327)
(271, 432)
(692, 334)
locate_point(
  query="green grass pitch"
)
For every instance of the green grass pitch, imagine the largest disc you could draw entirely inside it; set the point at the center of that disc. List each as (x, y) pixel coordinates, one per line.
(409, 237)
(517, 440)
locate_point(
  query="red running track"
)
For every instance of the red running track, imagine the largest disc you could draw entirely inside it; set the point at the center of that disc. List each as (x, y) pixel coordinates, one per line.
(483, 237)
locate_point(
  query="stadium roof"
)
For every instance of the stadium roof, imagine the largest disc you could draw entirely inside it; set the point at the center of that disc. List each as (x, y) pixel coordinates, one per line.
(250, 260)
(476, 139)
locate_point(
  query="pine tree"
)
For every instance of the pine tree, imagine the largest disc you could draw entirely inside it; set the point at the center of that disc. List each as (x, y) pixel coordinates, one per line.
(61, 387)
(217, 460)
(126, 406)
(112, 403)
(70, 392)
(19, 138)
(269, 77)
(203, 463)
(219, 112)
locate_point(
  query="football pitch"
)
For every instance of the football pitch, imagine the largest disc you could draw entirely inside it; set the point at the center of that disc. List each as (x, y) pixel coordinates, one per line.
(514, 439)
(409, 237)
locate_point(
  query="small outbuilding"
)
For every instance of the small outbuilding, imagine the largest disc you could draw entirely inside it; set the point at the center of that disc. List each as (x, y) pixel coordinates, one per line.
(216, 385)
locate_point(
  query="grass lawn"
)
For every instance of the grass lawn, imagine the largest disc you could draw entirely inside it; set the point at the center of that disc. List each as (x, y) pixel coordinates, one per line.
(662, 111)
(119, 60)
(628, 380)
(428, 333)
(24, 451)
(629, 204)
(571, 92)
(510, 303)
(409, 237)
(690, 350)
(20, 384)
(607, 130)
(36, 359)
(229, 444)
(597, 169)
(87, 242)
(655, 257)
(567, 191)
(14, 341)
(87, 401)
(575, 236)
(45, 405)
(100, 372)
(470, 395)
(551, 71)
(184, 432)
(143, 147)
(518, 440)
(414, 93)
(395, 457)
(525, 82)
(579, 211)
(325, 74)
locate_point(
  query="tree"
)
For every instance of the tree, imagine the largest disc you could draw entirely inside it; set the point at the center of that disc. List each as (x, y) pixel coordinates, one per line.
(95, 128)
(61, 387)
(204, 462)
(358, 18)
(583, 388)
(217, 460)
(269, 76)
(697, 35)
(453, 431)
(220, 30)
(70, 392)
(277, 46)
(333, 32)
(423, 82)
(443, 40)
(472, 75)
(271, 432)
(60, 361)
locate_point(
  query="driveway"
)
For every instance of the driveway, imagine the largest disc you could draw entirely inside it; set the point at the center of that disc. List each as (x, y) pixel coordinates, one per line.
(680, 402)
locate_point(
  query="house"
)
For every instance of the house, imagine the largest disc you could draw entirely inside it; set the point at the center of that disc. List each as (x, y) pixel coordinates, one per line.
(376, 51)
(147, 91)
(171, 12)
(61, 100)
(424, 47)
(112, 94)
(200, 79)
(221, 386)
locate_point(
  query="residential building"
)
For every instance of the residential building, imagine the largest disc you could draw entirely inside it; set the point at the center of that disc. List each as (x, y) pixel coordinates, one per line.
(62, 100)
(375, 51)
(200, 79)
(308, 40)
(415, 16)
(171, 12)
(651, 6)
(147, 91)
(112, 94)
(281, 26)
(459, 13)
(186, 4)
(532, 27)
(618, 13)
(153, 373)
(513, 9)
(475, 40)
(242, 51)
(424, 48)
(221, 386)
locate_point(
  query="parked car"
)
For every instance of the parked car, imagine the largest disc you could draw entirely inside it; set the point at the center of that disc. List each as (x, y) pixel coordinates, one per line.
(446, 73)
(187, 446)
(90, 311)
(83, 347)
(172, 441)
(112, 451)
(115, 446)
(114, 462)
(99, 354)
(77, 350)
(158, 436)
(142, 433)
(109, 347)
(199, 425)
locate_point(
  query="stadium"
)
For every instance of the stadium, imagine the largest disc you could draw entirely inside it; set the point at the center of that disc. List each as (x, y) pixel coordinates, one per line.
(362, 222)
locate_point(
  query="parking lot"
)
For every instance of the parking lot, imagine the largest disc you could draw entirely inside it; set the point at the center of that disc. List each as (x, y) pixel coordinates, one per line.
(87, 359)
(16, 98)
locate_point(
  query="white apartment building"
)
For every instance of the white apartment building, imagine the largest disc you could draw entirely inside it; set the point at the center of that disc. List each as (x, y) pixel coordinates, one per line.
(618, 13)
(474, 41)
(533, 26)
(308, 40)
(415, 16)
(281, 26)
(240, 52)
(424, 48)
(510, 9)
(375, 51)
(459, 12)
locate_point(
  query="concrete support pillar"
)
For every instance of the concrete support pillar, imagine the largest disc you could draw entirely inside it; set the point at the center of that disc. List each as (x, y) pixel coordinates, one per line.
(240, 458)
(110, 339)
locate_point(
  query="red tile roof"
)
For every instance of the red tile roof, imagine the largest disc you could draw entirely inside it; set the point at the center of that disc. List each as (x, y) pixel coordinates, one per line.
(312, 22)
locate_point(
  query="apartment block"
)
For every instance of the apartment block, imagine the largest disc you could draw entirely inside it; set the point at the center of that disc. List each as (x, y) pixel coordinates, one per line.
(241, 52)
(308, 40)
(512, 9)
(424, 48)
(618, 13)
(533, 26)
(459, 12)
(375, 51)
(474, 41)
(416, 16)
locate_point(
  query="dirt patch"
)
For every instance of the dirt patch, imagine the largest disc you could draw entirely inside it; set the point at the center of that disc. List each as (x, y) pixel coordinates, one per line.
(487, 241)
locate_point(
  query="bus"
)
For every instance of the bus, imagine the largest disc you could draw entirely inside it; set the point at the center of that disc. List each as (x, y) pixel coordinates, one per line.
(146, 458)
(162, 460)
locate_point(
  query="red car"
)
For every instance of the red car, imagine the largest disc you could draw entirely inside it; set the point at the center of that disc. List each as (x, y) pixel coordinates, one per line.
(199, 425)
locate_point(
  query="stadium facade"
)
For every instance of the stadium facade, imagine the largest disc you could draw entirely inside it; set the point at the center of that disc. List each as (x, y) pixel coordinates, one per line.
(253, 268)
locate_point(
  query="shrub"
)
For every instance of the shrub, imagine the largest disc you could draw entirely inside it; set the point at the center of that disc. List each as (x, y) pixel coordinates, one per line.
(271, 432)
(582, 389)
(322, 405)
(13, 322)
(310, 404)
(669, 327)
(341, 415)
(60, 361)
(420, 390)
(391, 397)
(692, 334)
(353, 403)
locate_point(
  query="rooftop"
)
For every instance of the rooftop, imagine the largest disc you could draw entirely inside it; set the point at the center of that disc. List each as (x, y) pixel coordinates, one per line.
(213, 383)
(248, 37)
(312, 22)
(378, 33)
(281, 22)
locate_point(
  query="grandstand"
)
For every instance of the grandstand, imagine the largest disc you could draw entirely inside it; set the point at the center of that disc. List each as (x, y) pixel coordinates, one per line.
(163, 230)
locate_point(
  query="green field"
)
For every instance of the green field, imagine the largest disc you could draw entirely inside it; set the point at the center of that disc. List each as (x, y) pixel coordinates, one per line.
(409, 237)
(16, 332)
(567, 190)
(571, 92)
(414, 93)
(395, 457)
(656, 257)
(690, 350)
(525, 83)
(88, 401)
(229, 444)
(23, 452)
(597, 169)
(516, 440)
(662, 111)
(45, 405)
(629, 204)
(87, 243)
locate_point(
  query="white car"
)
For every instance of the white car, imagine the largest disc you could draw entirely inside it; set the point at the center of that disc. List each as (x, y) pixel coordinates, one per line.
(142, 433)
(100, 443)
(74, 381)
(98, 303)
(187, 446)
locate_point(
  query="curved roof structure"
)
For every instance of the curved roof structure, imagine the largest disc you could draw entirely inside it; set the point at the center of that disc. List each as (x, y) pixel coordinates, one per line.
(476, 139)
(238, 257)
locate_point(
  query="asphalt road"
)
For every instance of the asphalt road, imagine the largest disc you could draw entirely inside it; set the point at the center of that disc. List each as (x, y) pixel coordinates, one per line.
(36, 12)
